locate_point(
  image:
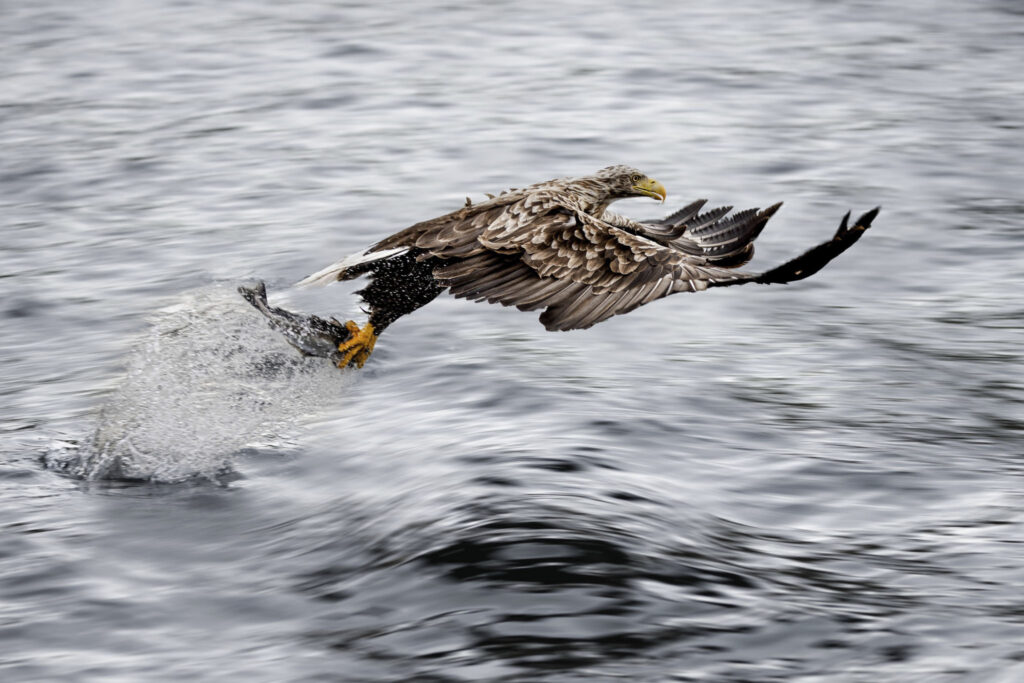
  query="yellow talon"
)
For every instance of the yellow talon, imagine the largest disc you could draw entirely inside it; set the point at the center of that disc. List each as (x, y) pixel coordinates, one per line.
(358, 347)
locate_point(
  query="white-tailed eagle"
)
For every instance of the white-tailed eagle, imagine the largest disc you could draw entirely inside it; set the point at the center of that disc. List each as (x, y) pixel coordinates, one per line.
(553, 246)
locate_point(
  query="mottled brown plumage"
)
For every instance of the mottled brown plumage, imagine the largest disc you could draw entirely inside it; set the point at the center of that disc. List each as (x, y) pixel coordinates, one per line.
(556, 246)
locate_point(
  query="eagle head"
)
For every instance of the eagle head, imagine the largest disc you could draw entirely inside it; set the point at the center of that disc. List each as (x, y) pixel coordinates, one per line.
(625, 181)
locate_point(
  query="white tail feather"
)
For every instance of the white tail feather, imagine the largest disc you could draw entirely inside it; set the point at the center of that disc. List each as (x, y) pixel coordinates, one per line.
(336, 271)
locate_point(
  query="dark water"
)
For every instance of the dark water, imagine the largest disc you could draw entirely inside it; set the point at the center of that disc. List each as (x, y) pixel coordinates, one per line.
(814, 483)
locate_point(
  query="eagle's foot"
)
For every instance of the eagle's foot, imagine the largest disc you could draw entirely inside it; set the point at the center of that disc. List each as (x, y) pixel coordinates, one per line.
(358, 347)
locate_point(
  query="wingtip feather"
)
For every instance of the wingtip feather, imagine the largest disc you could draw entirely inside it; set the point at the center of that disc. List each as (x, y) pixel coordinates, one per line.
(865, 220)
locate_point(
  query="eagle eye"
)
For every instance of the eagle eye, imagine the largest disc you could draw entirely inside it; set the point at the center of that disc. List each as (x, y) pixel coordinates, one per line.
(635, 178)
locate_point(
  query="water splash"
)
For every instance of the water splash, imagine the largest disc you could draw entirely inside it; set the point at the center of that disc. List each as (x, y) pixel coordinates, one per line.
(208, 378)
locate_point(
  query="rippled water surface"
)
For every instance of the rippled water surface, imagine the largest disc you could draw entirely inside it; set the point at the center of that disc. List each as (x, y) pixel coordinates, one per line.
(820, 482)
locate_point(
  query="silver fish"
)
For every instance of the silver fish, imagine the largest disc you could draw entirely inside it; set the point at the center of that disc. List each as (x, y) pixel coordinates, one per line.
(310, 334)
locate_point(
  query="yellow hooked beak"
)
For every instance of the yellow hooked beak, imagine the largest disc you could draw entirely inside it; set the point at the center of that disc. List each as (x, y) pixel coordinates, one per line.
(651, 188)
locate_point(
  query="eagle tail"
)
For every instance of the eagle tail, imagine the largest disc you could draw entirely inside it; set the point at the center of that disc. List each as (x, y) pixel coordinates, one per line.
(350, 267)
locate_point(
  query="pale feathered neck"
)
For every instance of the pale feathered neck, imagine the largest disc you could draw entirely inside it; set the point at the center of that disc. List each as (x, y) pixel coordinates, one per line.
(592, 195)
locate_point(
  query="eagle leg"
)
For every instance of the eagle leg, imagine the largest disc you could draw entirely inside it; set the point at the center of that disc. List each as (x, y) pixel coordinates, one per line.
(358, 347)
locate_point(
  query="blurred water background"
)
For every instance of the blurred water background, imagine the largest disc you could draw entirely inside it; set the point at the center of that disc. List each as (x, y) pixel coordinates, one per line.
(821, 482)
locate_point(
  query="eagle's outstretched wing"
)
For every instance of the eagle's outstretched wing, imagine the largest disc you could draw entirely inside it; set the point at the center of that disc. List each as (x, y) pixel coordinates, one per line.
(584, 271)
(725, 240)
(813, 260)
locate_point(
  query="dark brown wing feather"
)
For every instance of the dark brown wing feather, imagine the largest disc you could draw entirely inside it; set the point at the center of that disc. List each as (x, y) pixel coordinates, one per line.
(632, 270)
(814, 259)
(723, 240)
(581, 270)
(454, 234)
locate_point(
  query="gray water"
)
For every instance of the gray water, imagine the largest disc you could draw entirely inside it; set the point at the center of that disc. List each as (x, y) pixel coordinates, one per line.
(819, 482)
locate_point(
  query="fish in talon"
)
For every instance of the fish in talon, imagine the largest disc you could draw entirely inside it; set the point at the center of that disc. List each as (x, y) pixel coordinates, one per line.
(310, 334)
